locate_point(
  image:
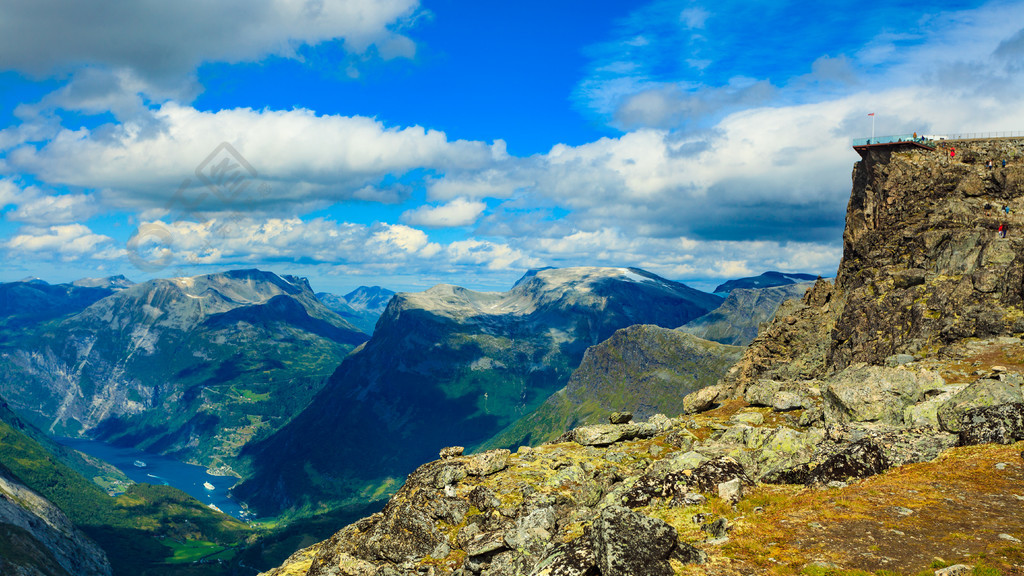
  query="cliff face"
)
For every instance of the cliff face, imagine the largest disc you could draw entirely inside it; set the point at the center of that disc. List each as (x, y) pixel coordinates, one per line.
(924, 266)
(923, 262)
(36, 538)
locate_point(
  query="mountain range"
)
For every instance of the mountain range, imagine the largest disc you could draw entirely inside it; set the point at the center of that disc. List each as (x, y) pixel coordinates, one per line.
(221, 369)
(362, 306)
(450, 365)
(194, 367)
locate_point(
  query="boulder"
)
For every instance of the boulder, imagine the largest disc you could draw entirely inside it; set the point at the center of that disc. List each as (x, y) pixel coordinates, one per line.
(710, 474)
(762, 392)
(603, 434)
(1003, 424)
(863, 393)
(860, 459)
(620, 417)
(980, 394)
(628, 543)
(731, 491)
(533, 531)
(487, 463)
(702, 400)
(786, 400)
(451, 451)
(575, 558)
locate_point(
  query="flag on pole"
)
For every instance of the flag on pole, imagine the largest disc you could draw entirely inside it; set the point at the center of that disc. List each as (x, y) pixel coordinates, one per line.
(872, 114)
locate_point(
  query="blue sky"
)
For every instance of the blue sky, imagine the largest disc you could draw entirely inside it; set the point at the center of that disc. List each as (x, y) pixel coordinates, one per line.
(406, 143)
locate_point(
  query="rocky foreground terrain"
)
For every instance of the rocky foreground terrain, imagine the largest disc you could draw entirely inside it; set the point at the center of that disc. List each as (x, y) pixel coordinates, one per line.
(875, 424)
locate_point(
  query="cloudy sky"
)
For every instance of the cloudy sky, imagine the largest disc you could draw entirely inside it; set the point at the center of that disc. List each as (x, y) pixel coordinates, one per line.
(406, 143)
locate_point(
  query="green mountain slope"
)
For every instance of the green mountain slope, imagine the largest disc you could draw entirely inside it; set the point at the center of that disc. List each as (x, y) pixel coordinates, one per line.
(139, 530)
(736, 321)
(642, 369)
(194, 367)
(452, 366)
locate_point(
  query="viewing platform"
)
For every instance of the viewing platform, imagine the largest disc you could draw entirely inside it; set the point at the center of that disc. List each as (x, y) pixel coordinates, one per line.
(895, 143)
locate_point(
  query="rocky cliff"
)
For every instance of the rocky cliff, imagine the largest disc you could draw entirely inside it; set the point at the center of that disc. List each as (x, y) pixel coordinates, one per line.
(875, 424)
(37, 539)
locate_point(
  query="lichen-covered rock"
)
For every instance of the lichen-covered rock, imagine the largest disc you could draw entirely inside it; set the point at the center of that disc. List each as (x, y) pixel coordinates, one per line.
(651, 486)
(487, 463)
(620, 417)
(703, 399)
(628, 543)
(860, 459)
(863, 393)
(451, 451)
(980, 394)
(532, 533)
(603, 434)
(710, 474)
(1003, 424)
(573, 559)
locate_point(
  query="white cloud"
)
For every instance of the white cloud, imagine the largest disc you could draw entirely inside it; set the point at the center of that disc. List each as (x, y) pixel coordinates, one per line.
(492, 256)
(165, 41)
(33, 206)
(458, 212)
(299, 157)
(65, 243)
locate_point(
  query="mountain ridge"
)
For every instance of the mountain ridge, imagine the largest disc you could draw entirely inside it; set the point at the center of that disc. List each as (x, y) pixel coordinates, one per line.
(453, 364)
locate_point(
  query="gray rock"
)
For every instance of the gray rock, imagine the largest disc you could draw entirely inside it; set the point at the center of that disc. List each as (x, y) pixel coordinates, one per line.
(484, 543)
(1002, 424)
(785, 401)
(620, 417)
(449, 474)
(573, 559)
(533, 531)
(703, 399)
(749, 418)
(731, 491)
(980, 394)
(628, 543)
(452, 451)
(863, 393)
(762, 392)
(898, 360)
(603, 434)
(710, 474)
(487, 463)
(716, 528)
(1009, 538)
(954, 570)
(483, 498)
(694, 499)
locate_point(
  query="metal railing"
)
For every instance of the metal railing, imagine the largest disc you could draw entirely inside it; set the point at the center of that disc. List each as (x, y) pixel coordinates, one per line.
(894, 139)
(978, 135)
(933, 139)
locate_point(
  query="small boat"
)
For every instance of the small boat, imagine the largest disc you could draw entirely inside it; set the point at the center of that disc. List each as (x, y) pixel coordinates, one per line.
(140, 464)
(208, 486)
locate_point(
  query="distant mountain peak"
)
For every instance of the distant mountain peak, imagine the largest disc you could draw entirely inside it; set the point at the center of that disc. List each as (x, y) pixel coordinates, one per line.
(118, 282)
(765, 280)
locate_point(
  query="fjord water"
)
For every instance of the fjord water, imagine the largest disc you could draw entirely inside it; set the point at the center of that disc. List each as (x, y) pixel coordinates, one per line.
(163, 470)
